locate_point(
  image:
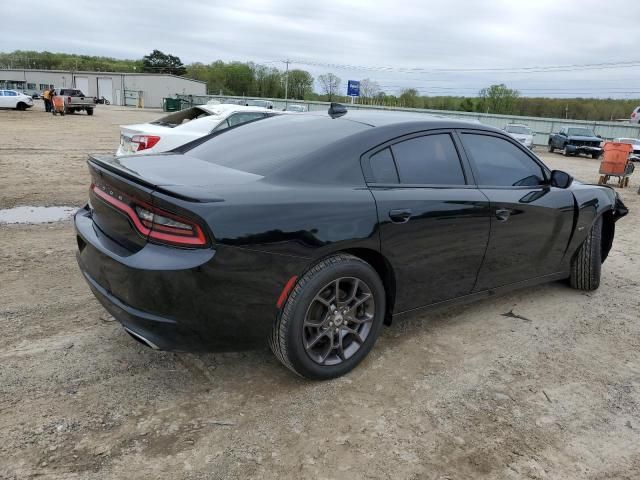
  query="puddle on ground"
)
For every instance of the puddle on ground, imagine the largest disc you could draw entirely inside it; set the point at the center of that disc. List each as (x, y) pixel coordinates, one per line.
(33, 215)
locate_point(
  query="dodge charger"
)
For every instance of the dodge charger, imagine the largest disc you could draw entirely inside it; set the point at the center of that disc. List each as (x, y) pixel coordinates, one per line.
(311, 232)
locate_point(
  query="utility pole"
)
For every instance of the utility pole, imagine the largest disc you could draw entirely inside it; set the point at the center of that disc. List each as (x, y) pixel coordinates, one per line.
(286, 83)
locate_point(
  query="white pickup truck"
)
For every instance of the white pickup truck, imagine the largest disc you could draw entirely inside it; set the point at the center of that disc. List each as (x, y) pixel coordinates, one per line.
(76, 101)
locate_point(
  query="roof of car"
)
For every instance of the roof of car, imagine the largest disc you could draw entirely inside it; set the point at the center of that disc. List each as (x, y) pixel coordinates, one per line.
(379, 118)
(220, 109)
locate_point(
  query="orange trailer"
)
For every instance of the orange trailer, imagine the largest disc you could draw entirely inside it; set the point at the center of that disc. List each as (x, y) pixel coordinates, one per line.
(616, 163)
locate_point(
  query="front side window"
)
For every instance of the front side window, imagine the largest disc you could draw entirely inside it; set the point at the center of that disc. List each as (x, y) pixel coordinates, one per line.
(428, 160)
(500, 163)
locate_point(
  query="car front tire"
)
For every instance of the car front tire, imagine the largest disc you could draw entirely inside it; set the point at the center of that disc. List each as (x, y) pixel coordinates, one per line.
(331, 319)
(551, 149)
(586, 266)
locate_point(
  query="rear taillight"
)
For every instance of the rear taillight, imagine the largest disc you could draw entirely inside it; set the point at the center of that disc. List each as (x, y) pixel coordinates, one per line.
(144, 142)
(633, 115)
(154, 223)
(68, 99)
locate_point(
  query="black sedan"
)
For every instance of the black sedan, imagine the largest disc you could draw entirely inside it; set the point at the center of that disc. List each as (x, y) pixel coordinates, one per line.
(311, 231)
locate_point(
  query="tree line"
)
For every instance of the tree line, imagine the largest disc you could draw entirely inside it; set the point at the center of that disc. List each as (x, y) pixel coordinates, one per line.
(255, 80)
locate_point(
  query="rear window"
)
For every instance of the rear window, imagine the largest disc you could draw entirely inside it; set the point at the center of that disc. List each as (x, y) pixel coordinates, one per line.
(71, 93)
(183, 116)
(264, 146)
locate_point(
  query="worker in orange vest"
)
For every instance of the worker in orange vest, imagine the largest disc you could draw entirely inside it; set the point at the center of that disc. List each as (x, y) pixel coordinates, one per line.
(46, 95)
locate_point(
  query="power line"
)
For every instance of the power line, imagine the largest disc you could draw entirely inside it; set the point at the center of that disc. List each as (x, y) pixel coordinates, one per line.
(434, 70)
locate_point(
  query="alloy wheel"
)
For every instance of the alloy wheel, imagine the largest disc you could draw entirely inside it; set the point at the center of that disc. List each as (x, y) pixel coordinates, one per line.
(338, 321)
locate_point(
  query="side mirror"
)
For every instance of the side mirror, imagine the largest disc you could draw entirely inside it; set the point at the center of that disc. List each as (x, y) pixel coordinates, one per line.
(560, 179)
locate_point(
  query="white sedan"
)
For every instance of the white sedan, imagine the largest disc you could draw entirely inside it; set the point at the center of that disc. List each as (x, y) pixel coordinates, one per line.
(14, 99)
(521, 133)
(176, 129)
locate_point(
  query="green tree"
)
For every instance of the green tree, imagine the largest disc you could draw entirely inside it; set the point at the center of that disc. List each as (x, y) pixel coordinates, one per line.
(499, 99)
(410, 98)
(466, 105)
(300, 84)
(159, 62)
(267, 81)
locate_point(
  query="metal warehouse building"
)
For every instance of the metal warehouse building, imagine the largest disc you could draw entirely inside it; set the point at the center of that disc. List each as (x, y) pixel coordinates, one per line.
(134, 89)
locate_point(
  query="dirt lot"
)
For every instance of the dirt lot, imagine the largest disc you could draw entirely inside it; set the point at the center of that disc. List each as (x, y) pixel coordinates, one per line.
(468, 392)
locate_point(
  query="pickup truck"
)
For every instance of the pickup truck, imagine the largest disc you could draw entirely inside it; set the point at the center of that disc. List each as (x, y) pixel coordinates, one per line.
(75, 101)
(576, 141)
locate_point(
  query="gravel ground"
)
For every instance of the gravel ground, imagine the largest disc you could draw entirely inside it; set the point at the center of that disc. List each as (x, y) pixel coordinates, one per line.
(467, 392)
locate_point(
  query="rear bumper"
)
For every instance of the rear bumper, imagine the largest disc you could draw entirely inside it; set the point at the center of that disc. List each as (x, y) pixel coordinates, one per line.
(184, 300)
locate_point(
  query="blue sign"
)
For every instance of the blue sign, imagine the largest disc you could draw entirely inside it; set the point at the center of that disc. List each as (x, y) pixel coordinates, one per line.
(353, 88)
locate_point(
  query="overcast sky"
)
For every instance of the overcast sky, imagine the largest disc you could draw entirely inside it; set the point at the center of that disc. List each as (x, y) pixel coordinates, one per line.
(429, 36)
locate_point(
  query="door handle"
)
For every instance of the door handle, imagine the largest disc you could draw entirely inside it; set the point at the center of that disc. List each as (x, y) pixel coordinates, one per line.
(503, 214)
(400, 215)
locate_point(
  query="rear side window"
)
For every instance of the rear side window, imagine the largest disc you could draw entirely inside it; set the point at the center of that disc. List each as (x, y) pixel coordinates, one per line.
(500, 163)
(240, 118)
(431, 160)
(383, 167)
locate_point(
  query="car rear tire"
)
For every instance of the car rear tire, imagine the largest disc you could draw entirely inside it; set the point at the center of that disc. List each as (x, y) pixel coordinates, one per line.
(89, 111)
(331, 319)
(586, 266)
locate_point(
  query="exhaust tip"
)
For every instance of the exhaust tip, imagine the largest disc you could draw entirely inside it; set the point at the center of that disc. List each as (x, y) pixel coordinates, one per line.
(141, 339)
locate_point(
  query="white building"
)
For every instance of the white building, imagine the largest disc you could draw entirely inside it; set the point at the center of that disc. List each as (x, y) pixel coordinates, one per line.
(135, 89)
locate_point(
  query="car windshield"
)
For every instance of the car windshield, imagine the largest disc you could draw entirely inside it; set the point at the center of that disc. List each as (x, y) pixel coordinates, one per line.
(521, 129)
(581, 132)
(183, 116)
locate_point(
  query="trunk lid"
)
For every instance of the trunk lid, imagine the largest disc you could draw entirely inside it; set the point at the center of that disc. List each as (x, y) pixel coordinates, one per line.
(124, 187)
(178, 175)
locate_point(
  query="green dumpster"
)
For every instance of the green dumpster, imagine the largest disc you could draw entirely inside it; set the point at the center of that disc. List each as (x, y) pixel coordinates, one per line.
(171, 104)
